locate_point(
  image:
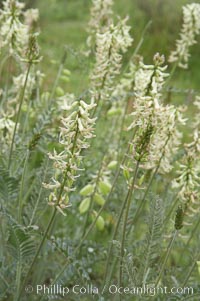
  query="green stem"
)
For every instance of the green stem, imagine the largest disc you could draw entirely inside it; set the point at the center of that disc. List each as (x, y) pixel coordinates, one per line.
(22, 187)
(127, 203)
(18, 277)
(18, 114)
(144, 200)
(189, 240)
(190, 272)
(171, 73)
(121, 129)
(139, 44)
(62, 63)
(175, 202)
(166, 257)
(193, 232)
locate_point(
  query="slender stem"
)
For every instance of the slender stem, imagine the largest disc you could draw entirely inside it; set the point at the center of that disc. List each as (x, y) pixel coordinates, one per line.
(171, 73)
(128, 202)
(193, 232)
(143, 202)
(166, 257)
(62, 63)
(25, 126)
(121, 129)
(190, 272)
(189, 240)
(22, 187)
(139, 44)
(175, 201)
(18, 277)
(18, 113)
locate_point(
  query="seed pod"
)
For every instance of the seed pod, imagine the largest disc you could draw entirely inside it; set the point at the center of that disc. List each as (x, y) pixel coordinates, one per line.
(59, 91)
(114, 111)
(84, 205)
(198, 265)
(100, 223)
(65, 79)
(126, 174)
(112, 165)
(104, 187)
(141, 180)
(87, 190)
(99, 199)
(66, 72)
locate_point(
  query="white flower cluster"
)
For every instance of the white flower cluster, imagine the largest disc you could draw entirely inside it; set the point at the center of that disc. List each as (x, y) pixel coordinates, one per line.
(31, 17)
(13, 33)
(156, 136)
(166, 138)
(100, 15)
(190, 28)
(188, 180)
(149, 80)
(109, 45)
(76, 129)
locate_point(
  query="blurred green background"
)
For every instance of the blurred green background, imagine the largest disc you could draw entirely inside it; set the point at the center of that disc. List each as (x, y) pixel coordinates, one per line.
(64, 22)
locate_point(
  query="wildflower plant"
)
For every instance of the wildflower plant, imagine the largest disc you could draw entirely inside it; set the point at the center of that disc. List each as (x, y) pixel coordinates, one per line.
(190, 29)
(109, 45)
(75, 130)
(187, 181)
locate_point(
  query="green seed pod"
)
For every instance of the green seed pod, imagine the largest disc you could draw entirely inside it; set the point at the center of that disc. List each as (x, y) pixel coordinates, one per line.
(141, 180)
(59, 91)
(65, 79)
(99, 199)
(66, 72)
(198, 266)
(100, 223)
(104, 187)
(53, 62)
(179, 218)
(84, 205)
(126, 174)
(112, 165)
(114, 111)
(87, 190)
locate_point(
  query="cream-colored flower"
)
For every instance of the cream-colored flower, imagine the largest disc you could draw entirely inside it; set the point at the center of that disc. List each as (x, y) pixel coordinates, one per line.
(190, 28)
(109, 46)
